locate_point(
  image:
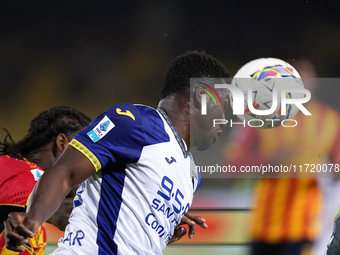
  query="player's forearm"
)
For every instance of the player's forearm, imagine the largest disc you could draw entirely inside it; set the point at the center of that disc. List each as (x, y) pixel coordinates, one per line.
(47, 196)
(71, 169)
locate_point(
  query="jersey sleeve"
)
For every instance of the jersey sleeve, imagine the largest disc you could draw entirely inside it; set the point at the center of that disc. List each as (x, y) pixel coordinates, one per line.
(117, 136)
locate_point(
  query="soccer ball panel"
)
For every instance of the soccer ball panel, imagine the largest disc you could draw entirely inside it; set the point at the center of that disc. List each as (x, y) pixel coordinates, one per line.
(262, 76)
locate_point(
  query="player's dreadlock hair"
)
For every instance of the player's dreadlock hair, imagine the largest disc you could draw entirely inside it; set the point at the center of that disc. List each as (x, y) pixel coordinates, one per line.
(44, 127)
(192, 64)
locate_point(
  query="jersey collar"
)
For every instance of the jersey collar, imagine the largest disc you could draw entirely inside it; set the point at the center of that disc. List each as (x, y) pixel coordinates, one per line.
(175, 132)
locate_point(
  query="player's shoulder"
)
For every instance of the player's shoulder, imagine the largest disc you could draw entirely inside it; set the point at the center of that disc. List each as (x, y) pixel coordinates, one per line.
(134, 116)
(16, 162)
(17, 165)
(129, 120)
(134, 112)
(11, 165)
(17, 179)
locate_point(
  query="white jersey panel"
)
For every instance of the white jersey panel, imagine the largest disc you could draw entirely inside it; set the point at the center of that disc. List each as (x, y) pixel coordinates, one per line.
(81, 232)
(158, 194)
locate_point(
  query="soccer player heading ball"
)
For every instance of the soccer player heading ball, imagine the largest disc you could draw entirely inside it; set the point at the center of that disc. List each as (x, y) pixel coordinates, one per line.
(134, 165)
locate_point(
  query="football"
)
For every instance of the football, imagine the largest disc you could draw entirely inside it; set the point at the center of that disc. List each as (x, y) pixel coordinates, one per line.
(264, 78)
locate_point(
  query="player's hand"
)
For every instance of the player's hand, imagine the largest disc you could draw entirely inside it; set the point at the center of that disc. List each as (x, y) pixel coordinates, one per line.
(18, 229)
(191, 220)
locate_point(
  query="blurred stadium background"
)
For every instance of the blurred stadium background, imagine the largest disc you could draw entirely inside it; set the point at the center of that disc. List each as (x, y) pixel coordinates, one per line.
(94, 54)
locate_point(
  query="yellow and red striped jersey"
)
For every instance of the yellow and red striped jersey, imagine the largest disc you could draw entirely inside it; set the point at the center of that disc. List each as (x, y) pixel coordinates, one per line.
(287, 209)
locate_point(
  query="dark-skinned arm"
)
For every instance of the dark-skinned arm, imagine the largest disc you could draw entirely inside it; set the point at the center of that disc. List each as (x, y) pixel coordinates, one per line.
(71, 169)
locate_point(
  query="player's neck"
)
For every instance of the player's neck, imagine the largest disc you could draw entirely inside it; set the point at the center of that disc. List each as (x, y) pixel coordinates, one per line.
(178, 110)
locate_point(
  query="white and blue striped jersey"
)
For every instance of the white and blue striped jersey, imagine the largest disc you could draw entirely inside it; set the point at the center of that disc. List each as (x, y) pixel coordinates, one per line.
(144, 183)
